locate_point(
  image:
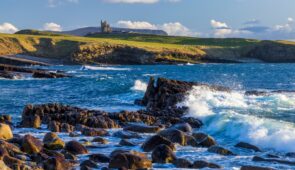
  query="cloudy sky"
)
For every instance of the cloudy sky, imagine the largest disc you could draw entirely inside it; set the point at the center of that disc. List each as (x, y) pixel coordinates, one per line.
(263, 19)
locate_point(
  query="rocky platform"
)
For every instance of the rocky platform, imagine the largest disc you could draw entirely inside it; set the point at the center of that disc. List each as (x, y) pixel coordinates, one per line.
(166, 124)
(15, 72)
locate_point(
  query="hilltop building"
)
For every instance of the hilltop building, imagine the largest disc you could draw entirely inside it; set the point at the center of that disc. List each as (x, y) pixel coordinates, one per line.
(105, 27)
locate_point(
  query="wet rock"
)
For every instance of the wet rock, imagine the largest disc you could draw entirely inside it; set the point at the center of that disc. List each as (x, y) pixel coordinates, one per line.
(100, 140)
(5, 132)
(88, 164)
(3, 166)
(69, 156)
(184, 127)
(174, 135)
(74, 134)
(220, 150)
(247, 146)
(204, 140)
(94, 132)
(6, 119)
(255, 168)
(154, 141)
(14, 163)
(101, 158)
(54, 126)
(31, 145)
(65, 127)
(272, 156)
(75, 148)
(53, 142)
(271, 160)
(126, 134)
(194, 122)
(163, 154)
(129, 160)
(142, 128)
(56, 164)
(125, 142)
(31, 121)
(204, 164)
(182, 163)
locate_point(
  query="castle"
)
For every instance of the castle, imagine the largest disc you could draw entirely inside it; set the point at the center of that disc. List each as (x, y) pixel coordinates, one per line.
(105, 27)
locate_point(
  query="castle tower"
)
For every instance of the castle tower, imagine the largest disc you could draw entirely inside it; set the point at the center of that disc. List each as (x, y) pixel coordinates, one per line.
(105, 27)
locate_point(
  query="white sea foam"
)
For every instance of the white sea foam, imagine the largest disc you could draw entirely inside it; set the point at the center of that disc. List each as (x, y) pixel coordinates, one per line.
(226, 114)
(139, 86)
(86, 67)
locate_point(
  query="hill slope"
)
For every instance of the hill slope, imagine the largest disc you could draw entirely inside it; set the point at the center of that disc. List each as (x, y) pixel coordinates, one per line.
(143, 49)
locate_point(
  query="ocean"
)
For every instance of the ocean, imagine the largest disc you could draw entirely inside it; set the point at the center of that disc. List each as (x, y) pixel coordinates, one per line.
(267, 121)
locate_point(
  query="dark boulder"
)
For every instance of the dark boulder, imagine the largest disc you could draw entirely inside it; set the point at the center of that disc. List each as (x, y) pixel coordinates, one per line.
(31, 145)
(247, 146)
(152, 142)
(204, 164)
(125, 142)
(184, 127)
(174, 135)
(75, 148)
(204, 140)
(163, 154)
(255, 168)
(100, 158)
(272, 160)
(94, 132)
(182, 163)
(88, 164)
(141, 128)
(220, 150)
(100, 140)
(126, 134)
(194, 122)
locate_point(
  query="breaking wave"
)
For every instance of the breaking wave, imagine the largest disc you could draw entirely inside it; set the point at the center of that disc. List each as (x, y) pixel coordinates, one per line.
(139, 86)
(239, 117)
(86, 67)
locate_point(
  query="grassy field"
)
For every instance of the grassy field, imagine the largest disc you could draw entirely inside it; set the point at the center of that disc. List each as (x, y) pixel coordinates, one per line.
(108, 47)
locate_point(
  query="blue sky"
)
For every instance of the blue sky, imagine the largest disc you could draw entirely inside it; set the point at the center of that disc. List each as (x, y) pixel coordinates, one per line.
(264, 19)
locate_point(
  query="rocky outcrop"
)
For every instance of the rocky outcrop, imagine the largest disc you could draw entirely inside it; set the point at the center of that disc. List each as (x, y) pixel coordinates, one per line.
(75, 148)
(163, 154)
(5, 131)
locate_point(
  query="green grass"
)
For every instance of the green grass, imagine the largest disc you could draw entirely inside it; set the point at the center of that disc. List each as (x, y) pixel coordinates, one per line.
(179, 40)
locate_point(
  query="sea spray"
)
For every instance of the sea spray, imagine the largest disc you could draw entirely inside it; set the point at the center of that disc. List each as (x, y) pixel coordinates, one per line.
(226, 114)
(139, 86)
(87, 67)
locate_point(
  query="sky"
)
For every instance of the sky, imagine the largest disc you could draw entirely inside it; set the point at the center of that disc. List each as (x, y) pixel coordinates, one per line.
(261, 19)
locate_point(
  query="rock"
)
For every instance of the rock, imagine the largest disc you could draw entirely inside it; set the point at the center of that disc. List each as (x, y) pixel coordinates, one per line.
(260, 159)
(5, 132)
(54, 126)
(74, 134)
(163, 154)
(125, 142)
(68, 155)
(154, 141)
(204, 140)
(65, 127)
(184, 127)
(31, 145)
(101, 158)
(129, 160)
(174, 135)
(75, 148)
(247, 146)
(182, 163)
(88, 163)
(31, 121)
(100, 140)
(142, 128)
(255, 168)
(3, 166)
(272, 156)
(6, 119)
(94, 132)
(53, 142)
(193, 122)
(220, 150)
(126, 134)
(204, 164)
(14, 163)
(56, 164)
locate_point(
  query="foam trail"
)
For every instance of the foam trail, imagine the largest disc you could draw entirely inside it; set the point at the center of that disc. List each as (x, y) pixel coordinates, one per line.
(139, 86)
(226, 114)
(86, 67)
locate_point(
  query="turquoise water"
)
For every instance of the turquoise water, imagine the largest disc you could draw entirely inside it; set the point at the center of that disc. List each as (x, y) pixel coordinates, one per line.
(266, 121)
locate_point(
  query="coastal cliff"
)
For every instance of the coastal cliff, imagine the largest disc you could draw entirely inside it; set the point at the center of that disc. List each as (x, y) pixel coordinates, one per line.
(143, 49)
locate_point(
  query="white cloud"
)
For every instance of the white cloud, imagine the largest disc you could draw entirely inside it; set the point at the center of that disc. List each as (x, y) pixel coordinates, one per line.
(218, 24)
(172, 28)
(136, 25)
(52, 27)
(8, 28)
(288, 27)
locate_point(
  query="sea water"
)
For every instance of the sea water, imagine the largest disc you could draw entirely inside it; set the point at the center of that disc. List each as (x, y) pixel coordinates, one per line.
(267, 121)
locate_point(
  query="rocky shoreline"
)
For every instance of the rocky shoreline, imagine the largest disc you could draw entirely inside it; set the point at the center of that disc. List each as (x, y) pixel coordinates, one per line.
(167, 125)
